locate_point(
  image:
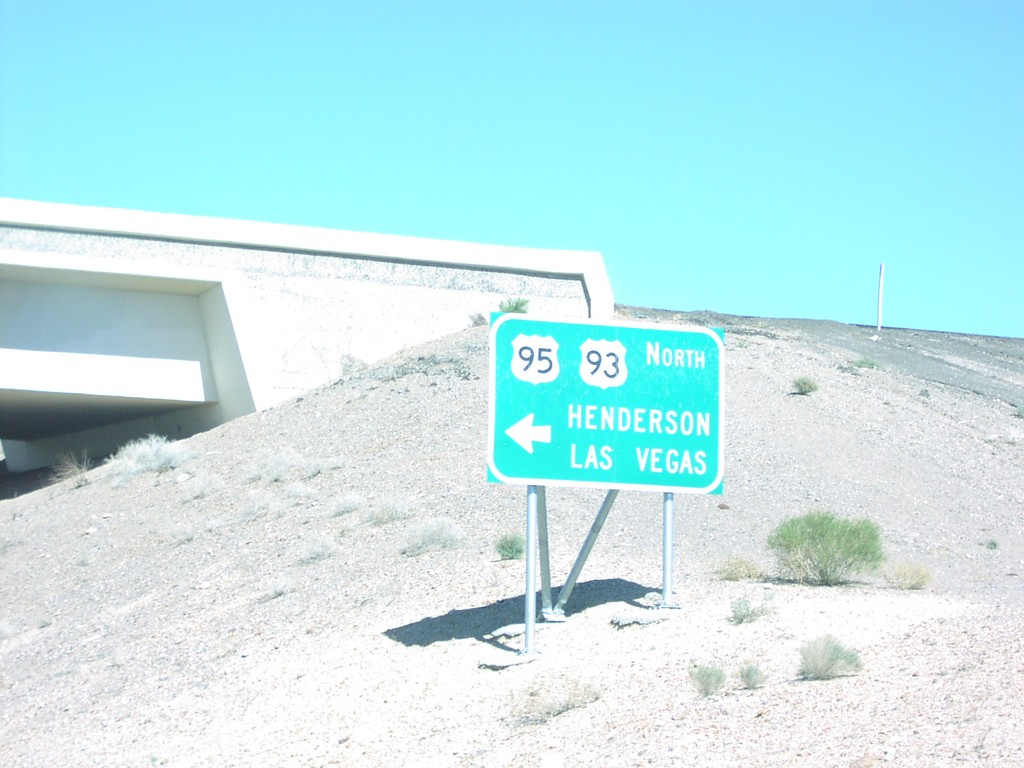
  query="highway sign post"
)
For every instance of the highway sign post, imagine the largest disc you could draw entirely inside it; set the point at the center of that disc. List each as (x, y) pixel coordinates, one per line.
(613, 405)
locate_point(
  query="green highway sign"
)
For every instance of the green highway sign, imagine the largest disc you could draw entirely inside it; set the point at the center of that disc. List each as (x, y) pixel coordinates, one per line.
(612, 405)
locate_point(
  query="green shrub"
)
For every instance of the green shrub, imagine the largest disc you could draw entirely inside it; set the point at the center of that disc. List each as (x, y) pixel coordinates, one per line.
(867, 363)
(518, 305)
(707, 680)
(744, 612)
(511, 546)
(752, 676)
(825, 657)
(1020, 411)
(819, 548)
(805, 385)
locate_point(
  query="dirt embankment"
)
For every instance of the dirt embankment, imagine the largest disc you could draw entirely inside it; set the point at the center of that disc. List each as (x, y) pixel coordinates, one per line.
(269, 601)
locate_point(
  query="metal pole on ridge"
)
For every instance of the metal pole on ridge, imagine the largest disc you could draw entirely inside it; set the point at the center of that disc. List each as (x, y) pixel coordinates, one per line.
(881, 287)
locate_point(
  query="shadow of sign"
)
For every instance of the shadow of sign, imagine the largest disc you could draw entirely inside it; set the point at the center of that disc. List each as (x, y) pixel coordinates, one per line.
(465, 623)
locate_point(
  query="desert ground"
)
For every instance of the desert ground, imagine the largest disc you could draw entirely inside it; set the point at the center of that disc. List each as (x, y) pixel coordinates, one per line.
(318, 584)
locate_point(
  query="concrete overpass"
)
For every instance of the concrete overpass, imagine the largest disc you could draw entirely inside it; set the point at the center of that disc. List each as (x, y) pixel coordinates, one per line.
(115, 324)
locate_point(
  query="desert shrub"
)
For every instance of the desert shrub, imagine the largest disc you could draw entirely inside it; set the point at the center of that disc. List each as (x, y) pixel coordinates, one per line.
(904, 575)
(865, 362)
(991, 544)
(1020, 411)
(288, 464)
(201, 486)
(825, 657)
(752, 676)
(511, 546)
(318, 549)
(154, 453)
(260, 505)
(645, 619)
(805, 385)
(430, 535)
(477, 319)
(738, 569)
(386, 512)
(819, 548)
(274, 588)
(346, 505)
(744, 612)
(707, 680)
(296, 493)
(273, 469)
(72, 466)
(184, 533)
(518, 305)
(550, 697)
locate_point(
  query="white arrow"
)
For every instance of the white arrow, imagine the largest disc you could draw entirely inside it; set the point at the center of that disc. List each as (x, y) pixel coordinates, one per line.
(525, 434)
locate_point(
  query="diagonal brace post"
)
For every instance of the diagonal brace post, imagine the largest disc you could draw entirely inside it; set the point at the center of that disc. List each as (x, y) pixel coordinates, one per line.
(545, 560)
(574, 574)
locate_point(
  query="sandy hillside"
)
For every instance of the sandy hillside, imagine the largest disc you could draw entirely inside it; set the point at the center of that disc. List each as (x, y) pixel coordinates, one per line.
(263, 603)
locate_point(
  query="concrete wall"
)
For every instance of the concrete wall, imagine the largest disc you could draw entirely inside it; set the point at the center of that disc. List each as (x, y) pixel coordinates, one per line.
(250, 313)
(162, 354)
(91, 358)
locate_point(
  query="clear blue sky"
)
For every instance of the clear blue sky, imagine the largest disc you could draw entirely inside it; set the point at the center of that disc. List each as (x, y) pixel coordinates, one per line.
(756, 158)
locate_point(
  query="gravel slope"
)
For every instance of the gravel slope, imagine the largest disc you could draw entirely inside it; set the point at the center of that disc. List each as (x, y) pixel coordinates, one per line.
(254, 607)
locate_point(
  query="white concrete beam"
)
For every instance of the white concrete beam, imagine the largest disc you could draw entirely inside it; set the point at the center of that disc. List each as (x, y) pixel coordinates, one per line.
(588, 266)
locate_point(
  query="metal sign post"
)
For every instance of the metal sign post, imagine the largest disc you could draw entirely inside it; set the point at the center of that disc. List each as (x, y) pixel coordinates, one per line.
(529, 625)
(668, 504)
(542, 542)
(558, 612)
